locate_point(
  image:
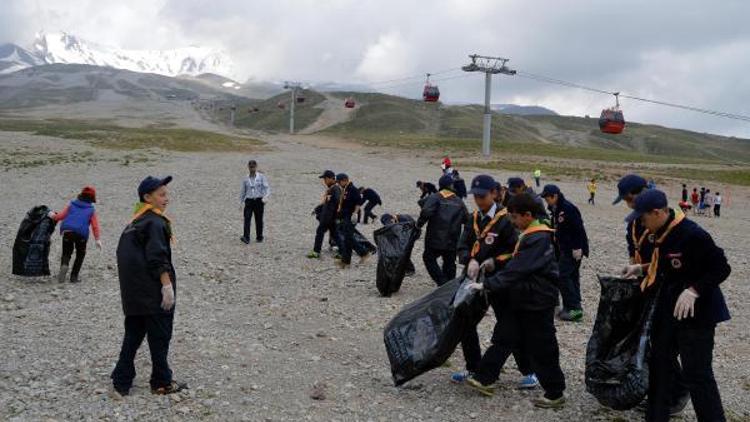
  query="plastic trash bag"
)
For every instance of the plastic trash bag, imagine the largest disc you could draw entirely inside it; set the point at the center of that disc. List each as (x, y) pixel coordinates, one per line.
(363, 244)
(618, 350)
(395, 243)
(32, 244)
(425, 333)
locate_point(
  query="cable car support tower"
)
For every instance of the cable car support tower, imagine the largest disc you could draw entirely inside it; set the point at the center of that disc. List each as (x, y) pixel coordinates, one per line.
(489, 66)
(294, 87)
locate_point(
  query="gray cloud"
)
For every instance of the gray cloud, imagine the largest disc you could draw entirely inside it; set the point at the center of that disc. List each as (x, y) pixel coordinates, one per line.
(681, 51)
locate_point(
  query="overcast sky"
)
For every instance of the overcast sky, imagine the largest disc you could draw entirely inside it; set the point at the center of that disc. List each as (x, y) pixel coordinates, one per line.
(694, 52)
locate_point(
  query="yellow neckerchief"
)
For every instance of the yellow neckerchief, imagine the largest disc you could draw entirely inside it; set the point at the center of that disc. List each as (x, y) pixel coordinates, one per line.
(343, 196)
(653, 266)
(445, 193)
(535, 227)
(637, 242)
(142, 208)
(480, 235)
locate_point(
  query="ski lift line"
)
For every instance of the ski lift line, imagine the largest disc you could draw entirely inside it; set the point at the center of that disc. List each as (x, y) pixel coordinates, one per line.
(448, 78)
(420, 76)
(561, 82)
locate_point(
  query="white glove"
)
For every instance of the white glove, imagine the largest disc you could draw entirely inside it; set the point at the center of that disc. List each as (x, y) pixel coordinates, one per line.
(51, 214)
(488, 265)
(167, 296)
(475, 286)
(577, 254)
(632, 271)
(685, 305)
(99, 244)
(472, 269)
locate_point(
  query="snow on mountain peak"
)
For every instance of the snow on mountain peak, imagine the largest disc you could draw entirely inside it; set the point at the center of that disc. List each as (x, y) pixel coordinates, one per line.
(62, 47)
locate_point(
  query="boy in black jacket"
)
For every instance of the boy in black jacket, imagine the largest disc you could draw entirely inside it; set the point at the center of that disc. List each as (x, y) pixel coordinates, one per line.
(326, 213)
(147, 288)
(369, 199)
(571, 244)
(529, 283)
(445, 214)
(486, 245)
(685, 271)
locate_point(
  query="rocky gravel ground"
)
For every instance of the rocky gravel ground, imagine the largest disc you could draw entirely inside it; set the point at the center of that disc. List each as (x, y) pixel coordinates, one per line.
(261, 332)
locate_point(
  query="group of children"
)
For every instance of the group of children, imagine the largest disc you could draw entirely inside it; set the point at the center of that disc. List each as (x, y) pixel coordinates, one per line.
(523, 257)
(702, 202)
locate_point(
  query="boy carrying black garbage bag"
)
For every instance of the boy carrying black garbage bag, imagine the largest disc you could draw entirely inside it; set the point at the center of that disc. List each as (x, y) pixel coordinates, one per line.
(147, 286)
(529, 281)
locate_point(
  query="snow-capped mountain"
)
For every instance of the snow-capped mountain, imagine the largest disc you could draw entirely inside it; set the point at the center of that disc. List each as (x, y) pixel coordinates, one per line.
(61, 47)
(13, 58)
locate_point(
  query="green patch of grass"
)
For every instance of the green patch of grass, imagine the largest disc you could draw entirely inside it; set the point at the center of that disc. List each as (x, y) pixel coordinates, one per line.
(111, 136)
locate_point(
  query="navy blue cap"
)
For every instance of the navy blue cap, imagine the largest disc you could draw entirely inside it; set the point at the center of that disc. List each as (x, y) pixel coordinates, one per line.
(515, 182)
(341, 176)
(386, 219)
(445, 181)
(649, 200)
(150, 184)
(327, 174)
(550, 190)
(627, 184)
(482, 184)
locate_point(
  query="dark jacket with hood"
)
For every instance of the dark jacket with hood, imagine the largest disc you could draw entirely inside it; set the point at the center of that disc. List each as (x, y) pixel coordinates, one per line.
(143, 254)
(568, 224)
(445, 214)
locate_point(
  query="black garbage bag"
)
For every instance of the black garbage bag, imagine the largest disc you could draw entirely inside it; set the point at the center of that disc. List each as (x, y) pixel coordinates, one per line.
(618, 350)
(32, 244)
(362, 241)
(424, 334)
(395, 243)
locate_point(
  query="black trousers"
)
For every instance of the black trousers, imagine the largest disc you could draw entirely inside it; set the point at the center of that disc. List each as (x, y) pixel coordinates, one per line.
(694, 345)
(591, 197)
(254, 207)
(717, 210)
(320, 233)
(368, 211)
(73, 241)
(570, 281)
(497, 354)
(440, 275)
(533, 334)
(158, 330)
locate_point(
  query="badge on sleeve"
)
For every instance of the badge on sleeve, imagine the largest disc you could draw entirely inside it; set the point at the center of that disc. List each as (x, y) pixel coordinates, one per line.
(676, 263)
(490, 239)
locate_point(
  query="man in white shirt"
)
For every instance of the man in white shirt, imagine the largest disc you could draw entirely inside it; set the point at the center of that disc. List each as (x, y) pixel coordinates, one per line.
(254, 195)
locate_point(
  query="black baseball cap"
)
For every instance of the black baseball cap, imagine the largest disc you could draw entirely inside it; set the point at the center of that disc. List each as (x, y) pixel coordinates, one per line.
(342, 176)
(627, 184)
(649, 200)
(550, 190)
(445, 181)
(515, 182)
(482, 184)
(327, 174)
(150, 184)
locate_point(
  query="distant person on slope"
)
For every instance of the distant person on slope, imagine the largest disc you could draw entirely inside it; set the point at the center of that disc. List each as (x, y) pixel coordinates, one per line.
(254, 195)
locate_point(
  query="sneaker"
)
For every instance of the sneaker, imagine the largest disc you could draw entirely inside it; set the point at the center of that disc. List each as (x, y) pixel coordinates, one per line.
(528, 382)
(245, 240)
(75, 279)
(173, 387)
(460, 377)
(676, 408)
(364, 258)
(575, 315)
(485, 390)
(62, 274)
(259, 240)
(313, 255)
(545, 403)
